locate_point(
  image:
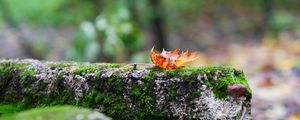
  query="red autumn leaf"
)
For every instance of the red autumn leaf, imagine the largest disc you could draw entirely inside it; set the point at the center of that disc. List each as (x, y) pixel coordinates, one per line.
(171, 59)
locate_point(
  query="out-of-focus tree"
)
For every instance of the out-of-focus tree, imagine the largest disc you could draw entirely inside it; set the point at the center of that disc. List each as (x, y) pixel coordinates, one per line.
(6, 13)
(113, 31)
(166, 23)
(85, 46)
(158, 23)
(118, 32)
(50, 12)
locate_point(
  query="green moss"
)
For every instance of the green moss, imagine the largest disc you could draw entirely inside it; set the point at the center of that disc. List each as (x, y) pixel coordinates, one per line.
(82, 69)
(28, 90)
(4, 75)
(7, 68)
(26, 74)
(111, 65)
(226, 76)
(61, 65)
(172, 93)
(8, 108)
(24, 71)
(110, 102)
(50, 113)
(142, 94)
(94, 68)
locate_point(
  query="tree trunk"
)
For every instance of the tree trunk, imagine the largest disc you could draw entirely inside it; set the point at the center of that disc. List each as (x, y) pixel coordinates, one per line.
(267, 14)
(157, 24)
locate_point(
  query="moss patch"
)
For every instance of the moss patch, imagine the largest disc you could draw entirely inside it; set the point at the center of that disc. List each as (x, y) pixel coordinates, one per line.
(218, 77)
(8, 108)
(54, 113)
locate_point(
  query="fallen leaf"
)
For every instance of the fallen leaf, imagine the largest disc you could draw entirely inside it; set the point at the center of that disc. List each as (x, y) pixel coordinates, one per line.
(171, 59)
(295, 116)
(267, 82)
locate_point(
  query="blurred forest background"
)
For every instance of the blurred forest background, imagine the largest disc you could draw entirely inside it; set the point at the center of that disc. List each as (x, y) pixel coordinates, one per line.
(262, 37)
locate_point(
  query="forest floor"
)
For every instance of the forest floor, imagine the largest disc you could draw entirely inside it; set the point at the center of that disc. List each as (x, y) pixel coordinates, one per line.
(272, 68)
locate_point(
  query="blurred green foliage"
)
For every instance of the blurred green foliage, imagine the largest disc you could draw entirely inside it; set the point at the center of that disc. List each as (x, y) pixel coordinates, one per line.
(118, 31)
(50, 12)
(111, 30)
(1, 18)
(281, 20)
(180, 12)
(84, 46)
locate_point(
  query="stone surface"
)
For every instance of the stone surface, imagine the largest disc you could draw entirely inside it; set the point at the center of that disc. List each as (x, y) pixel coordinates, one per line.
(124, 92)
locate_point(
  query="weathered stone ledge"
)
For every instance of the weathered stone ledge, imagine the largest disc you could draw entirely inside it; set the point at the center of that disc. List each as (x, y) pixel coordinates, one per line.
(126, 91)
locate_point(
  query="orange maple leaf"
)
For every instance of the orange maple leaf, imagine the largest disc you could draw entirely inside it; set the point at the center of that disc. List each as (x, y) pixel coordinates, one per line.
(171, 59)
